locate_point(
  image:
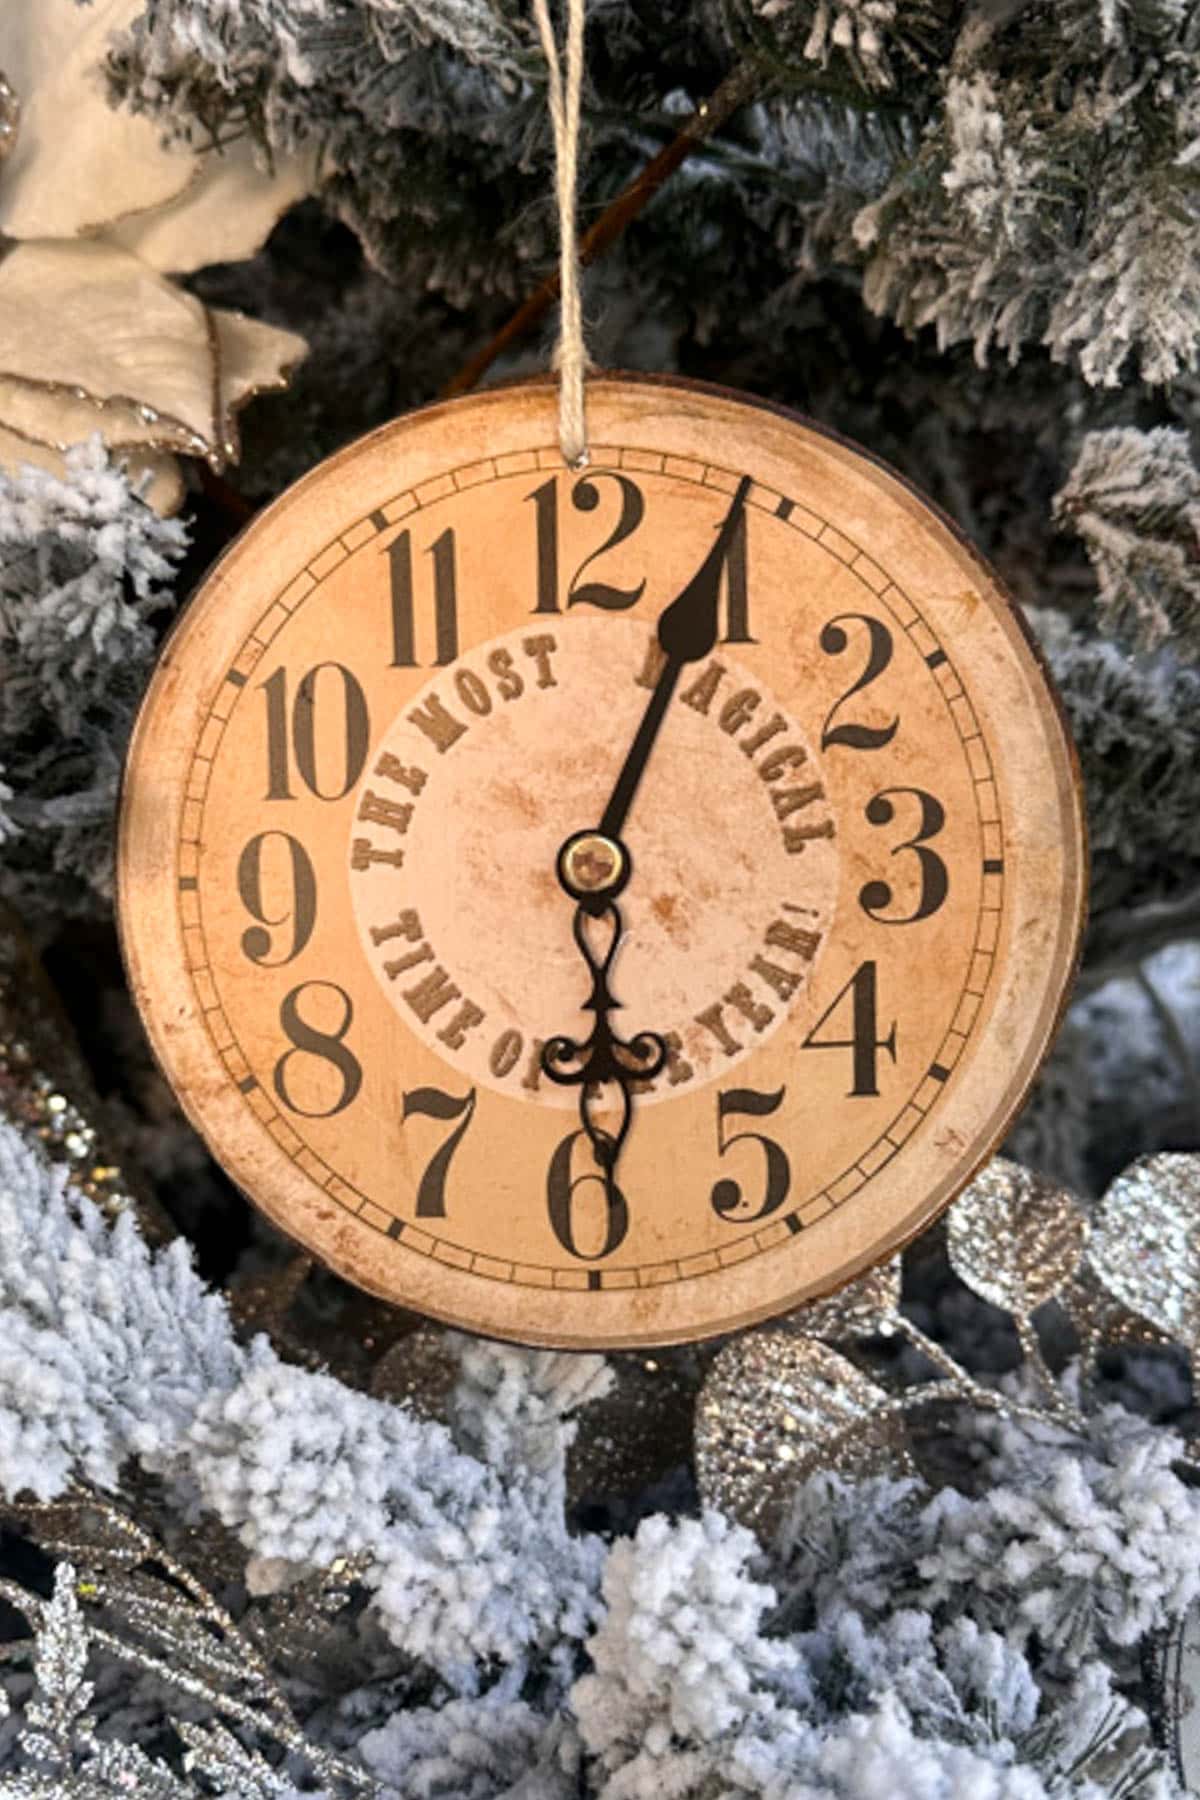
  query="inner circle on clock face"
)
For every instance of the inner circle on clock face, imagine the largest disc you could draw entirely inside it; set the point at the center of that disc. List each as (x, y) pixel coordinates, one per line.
(482, 776)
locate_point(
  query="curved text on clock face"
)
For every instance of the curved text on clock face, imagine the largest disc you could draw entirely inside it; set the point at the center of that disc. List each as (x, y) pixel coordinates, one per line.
(452, 842)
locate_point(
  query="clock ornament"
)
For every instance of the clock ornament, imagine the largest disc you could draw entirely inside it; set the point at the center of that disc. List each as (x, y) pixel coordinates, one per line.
(721, 769)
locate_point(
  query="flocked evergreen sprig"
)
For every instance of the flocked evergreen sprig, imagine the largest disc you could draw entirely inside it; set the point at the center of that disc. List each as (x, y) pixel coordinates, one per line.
(983, 1634)
(85, 567)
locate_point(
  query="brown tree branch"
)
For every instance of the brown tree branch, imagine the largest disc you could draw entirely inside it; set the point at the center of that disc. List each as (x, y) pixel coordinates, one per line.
(746, 82)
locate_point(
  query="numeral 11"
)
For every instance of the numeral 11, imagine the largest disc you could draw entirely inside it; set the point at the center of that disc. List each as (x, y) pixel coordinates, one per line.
(445, 599)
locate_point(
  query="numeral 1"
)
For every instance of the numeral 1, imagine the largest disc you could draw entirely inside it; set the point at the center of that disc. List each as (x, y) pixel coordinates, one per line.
(445, 599)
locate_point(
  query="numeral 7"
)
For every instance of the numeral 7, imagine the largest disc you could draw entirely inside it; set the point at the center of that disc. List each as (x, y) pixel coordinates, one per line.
(434, 1104)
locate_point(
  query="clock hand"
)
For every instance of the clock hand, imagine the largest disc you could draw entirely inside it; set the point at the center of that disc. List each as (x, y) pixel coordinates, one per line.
(687, 631)
(605, 1058)
(594, 866)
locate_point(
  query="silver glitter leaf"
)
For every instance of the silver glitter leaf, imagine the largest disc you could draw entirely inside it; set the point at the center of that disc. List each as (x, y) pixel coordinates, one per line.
(774, 1409)
(1145, 1246)
(1014, 1237)
(863, 1308)
(634, 1435)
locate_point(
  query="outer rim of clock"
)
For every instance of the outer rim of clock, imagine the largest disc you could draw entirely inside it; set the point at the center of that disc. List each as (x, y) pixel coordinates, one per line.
(889, 1244)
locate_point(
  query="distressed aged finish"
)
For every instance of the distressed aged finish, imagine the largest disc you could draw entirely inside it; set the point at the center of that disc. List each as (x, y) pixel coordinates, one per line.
(853, 905)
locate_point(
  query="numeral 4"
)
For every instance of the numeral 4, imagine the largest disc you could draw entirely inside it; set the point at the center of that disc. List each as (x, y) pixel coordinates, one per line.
(864, 1040)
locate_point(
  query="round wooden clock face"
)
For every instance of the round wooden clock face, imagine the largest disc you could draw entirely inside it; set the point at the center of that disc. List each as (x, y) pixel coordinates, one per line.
(853, 863)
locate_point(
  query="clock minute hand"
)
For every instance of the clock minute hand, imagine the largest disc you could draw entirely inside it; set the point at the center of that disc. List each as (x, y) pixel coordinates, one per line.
(687, 631)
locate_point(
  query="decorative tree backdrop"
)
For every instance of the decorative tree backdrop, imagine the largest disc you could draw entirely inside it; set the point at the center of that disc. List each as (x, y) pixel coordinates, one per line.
(261, 1536)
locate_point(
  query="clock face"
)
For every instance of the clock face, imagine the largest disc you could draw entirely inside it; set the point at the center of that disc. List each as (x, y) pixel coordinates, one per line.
(853, 863)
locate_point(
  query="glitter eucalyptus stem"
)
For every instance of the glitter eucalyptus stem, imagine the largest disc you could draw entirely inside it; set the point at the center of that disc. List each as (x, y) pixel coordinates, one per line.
(967, 1388)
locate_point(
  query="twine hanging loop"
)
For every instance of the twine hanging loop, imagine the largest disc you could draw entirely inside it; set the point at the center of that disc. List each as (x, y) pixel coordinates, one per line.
(571, 357)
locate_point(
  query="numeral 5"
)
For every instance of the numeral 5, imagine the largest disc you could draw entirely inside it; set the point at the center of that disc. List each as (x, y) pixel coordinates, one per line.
(728, 1200)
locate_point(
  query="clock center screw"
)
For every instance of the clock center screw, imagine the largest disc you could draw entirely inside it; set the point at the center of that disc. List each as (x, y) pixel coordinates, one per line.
(592, 866)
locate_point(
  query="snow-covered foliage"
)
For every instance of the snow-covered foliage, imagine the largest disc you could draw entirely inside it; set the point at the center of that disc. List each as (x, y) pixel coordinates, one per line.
(424, 78)
(107, 1350)
(84, 566)
(1136, 726)
(957, 1641)
(465, 1567)
(475, 1750)
(1053, 200)
(1072, 1552)
(977, 1637)
(680, 1656)
(514, 1408)
(1082, 1553)
(1134, 498)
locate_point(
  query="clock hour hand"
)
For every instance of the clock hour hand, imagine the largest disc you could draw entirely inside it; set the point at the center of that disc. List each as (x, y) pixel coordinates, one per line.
(604, 1060)
(594, 866)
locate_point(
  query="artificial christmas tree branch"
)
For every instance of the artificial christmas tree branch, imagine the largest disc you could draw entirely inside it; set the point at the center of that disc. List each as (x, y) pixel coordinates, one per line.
(748, 81)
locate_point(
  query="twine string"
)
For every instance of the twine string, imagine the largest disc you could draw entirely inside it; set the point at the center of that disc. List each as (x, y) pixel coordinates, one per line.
(571, 357)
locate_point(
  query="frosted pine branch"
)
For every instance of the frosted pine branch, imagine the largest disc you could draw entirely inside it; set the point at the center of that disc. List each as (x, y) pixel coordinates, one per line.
(1134, 498)
(85, 566)
(463, 1566)
(106, 1349)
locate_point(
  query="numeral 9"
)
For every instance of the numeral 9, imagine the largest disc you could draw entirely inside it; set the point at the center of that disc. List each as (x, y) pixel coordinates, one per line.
(300, 911)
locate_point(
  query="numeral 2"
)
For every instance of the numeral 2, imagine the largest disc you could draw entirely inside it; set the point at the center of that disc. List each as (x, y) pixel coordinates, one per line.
(833, 641)
(864, 1039)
